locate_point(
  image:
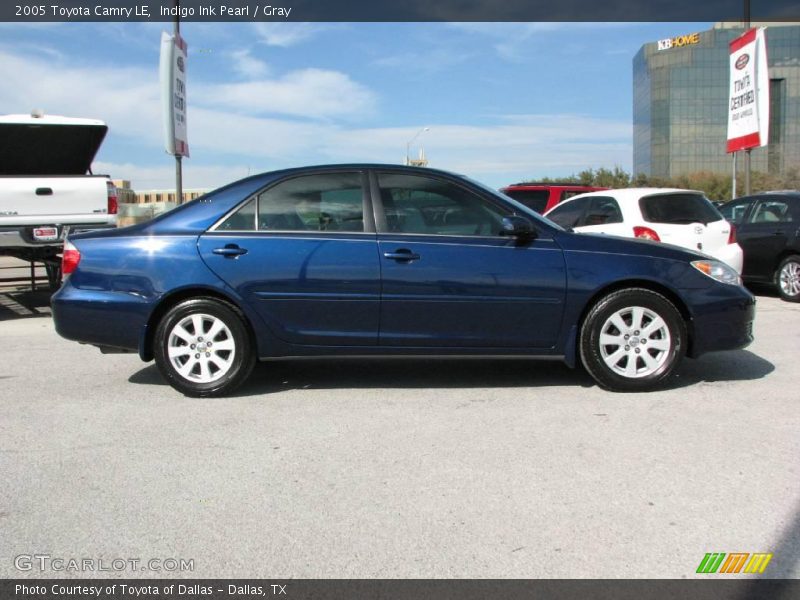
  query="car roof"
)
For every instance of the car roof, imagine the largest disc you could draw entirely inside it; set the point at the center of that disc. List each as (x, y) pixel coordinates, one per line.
(628, 194)
(785, 193)
(540, 185)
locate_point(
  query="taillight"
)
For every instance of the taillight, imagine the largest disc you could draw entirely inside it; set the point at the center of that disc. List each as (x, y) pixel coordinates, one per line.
(112, 204)
(70, 258)
(645, 233)
(732, 234)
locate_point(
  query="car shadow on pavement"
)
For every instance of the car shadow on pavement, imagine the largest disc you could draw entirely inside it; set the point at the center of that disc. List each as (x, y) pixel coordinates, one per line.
(24, 304)
(738, 365)
(281, 376)
(284, 375)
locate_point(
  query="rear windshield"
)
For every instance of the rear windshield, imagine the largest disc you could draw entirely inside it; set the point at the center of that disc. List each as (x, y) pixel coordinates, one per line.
(533, 199)
(678, 208)
(48, 149)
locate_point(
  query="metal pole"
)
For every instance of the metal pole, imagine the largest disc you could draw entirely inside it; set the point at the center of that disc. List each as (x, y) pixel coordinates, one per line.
(733, 185)
(747, 152)
(178, 157)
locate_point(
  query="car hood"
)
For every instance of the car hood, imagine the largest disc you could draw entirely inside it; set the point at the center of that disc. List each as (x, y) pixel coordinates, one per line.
(612, 244)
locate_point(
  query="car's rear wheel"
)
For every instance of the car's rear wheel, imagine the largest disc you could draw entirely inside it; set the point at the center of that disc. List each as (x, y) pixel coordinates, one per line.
(203, 347)
(787, 278)
(632, 340)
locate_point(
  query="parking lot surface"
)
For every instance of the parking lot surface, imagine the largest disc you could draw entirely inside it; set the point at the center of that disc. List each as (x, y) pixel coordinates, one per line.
(401, 468)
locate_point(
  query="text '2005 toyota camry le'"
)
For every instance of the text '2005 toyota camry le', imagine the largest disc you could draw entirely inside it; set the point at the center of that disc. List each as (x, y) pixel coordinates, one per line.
(378, 260)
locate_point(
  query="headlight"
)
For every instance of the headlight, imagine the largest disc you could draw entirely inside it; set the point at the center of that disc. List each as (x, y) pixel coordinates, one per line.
(718, 271)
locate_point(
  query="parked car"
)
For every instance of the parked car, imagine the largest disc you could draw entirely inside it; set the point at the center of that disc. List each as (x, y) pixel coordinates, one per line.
(385, 260)
(46, 186)
(685, 218)
(541, 197)
(768, 229)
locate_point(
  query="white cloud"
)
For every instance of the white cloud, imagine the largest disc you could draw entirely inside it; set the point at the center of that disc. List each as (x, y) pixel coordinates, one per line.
(288, 34)
(247, 65)
(309, 93)
(226, 127)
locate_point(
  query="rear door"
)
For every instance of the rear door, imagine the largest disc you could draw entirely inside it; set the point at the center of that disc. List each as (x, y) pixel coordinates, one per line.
(303, 254)
(770, 226)
(569, 214)
(603, 215)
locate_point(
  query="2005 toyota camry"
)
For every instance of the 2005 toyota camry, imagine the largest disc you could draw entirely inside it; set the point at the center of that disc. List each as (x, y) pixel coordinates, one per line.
(372, 260)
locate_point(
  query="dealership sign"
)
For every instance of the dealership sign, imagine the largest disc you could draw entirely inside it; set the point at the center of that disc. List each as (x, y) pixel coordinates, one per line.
(173, 93)
(748, 104)
(679, 41)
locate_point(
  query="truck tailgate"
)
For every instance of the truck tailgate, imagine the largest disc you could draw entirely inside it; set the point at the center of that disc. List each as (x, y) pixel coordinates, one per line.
(64, 200)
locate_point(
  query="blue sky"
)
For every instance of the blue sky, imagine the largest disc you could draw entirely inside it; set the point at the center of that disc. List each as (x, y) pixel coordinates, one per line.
(503, 101)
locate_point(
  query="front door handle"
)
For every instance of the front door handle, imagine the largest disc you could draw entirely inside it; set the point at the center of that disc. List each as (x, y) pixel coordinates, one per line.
(401, 255)
(230, 251)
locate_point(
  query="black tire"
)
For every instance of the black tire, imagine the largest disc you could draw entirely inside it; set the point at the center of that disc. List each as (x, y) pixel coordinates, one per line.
(664, 354)
(786, 278)
(195, 381)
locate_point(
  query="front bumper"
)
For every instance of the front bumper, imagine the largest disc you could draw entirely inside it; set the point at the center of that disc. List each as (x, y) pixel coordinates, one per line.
(723, 323)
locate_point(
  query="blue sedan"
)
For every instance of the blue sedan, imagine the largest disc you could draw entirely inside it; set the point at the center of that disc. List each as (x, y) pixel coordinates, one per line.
(379, 260)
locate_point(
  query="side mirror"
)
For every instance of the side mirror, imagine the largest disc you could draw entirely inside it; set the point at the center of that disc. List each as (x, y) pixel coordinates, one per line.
(518, 227)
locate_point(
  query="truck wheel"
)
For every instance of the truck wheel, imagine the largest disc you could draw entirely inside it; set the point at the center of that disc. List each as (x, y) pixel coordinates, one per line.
(203, 347)
(632, 340)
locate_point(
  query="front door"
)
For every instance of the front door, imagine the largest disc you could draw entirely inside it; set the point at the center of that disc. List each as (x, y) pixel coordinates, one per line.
(450, 280)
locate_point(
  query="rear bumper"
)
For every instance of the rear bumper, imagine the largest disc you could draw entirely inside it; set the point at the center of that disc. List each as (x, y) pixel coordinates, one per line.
(107, 319)
(21, 236)
(732, 255)
(725, 323)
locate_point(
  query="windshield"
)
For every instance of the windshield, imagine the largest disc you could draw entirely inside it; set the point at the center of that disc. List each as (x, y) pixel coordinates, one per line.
(678, 208)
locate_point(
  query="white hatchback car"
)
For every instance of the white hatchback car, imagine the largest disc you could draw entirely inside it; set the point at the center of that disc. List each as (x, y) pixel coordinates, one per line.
(684, 218)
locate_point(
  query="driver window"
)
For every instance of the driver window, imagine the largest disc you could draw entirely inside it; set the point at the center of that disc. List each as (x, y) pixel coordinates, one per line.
(416, 204)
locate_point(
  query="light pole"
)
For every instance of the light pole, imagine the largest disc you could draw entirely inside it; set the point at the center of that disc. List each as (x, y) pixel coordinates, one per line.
(409, 142)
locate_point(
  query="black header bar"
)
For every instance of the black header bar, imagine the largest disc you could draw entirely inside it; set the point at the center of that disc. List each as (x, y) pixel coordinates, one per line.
(403, 10)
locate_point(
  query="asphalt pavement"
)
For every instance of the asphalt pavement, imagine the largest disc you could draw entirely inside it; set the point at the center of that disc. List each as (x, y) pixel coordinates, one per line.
(394, 469)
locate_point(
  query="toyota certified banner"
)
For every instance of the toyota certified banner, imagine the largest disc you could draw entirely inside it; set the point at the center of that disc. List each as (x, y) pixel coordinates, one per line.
(748, 107)
(173, 93)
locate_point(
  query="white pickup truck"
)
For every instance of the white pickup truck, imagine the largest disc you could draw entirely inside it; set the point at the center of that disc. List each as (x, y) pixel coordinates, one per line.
(47, 188)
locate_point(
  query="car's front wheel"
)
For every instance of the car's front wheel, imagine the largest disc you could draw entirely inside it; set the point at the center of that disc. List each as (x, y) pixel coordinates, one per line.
(203, 348)
(788, 279)
(632, 340)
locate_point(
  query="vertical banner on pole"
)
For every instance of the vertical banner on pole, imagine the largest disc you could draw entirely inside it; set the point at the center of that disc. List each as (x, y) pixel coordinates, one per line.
(172, 71)
(748, 104)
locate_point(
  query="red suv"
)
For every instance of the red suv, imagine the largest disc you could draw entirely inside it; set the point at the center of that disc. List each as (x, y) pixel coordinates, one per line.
(541, 197)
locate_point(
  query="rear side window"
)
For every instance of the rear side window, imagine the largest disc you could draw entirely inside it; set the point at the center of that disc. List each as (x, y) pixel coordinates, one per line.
(322, 202)
(569, 214)
(678, 208)
(603, 210)
(772, 211)
(533, 199)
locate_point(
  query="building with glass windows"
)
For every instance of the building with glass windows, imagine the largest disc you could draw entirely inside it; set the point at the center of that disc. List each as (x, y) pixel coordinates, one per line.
(680, 97)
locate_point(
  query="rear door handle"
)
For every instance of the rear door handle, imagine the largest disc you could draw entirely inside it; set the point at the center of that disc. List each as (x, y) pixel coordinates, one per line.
(230, 251)
(401, 255)
(44, 191)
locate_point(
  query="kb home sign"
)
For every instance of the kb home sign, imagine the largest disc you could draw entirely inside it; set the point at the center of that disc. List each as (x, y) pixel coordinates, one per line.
(679, 41)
